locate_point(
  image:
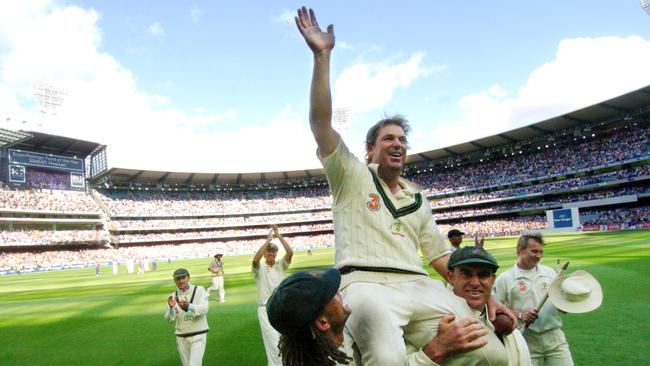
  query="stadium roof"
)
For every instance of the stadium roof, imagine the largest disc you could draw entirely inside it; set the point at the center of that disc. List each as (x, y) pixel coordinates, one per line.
(617, 109)
(57, 145)
(614, 109)
(9, 138)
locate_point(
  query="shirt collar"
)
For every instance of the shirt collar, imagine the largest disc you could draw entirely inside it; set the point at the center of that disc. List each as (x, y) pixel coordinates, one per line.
(408, 188)
(519, 273)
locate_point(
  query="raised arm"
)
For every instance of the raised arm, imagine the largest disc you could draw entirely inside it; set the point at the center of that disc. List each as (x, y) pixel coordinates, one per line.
(260, 252)
(287, 249)
(320, 98)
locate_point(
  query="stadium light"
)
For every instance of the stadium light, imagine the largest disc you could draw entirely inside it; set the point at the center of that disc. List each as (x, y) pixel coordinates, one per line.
(49, 96)
(645, 4)
(340, 118)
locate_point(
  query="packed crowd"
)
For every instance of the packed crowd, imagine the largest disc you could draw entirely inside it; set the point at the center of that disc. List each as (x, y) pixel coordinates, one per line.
(555, 186)
(61, 258)
(243, 231)
(497, 227)
(622, 215)
(615, 147)
(150, 203)
(544, 203)
(493, 227)
(52, 237)
(222, 221)
(48, 200)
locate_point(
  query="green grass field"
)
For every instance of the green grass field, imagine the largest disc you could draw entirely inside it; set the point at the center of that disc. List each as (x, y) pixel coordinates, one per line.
(73, 317)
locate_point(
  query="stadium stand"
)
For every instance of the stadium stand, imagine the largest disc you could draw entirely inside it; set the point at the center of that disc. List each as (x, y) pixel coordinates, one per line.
(597, 158)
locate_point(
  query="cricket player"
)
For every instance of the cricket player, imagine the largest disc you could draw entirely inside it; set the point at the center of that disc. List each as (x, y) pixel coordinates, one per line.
(521, 288)
(455, 237)
(308, 311)
(188, 307)
(381, 222)
(472, 275)
(216, 267)
(268, 274)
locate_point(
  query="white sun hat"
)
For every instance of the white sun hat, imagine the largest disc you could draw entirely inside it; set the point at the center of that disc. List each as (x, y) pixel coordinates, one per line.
(577, 292)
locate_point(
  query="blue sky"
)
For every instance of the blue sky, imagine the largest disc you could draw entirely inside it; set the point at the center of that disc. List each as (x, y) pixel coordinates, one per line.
(223, 86)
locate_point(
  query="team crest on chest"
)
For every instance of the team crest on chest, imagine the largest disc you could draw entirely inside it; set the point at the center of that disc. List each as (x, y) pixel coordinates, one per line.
(396, 229)
(522, 286)
(374, 203)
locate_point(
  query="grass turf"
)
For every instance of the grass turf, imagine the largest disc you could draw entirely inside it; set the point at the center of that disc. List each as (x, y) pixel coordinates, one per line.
(72, 317)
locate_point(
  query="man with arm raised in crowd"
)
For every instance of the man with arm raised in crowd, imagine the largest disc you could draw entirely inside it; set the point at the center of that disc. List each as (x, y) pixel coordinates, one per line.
(268, 274)
(381, 221)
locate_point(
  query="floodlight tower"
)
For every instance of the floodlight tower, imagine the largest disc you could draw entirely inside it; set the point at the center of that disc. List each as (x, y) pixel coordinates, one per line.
(49, 96)
(340, 119)
(645, 4)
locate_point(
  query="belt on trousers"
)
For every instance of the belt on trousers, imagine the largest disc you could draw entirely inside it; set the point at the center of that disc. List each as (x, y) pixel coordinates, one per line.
(185, 335)
(349, 269)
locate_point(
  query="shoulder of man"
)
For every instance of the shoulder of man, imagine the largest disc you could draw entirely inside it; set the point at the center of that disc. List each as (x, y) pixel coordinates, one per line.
(546, 270)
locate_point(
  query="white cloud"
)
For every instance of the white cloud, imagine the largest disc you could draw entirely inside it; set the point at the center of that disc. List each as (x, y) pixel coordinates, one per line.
(367, 86)
(345, 45)
(286, 17)
(156, 29)
(585, 71)
(103, 103)
(195, 14)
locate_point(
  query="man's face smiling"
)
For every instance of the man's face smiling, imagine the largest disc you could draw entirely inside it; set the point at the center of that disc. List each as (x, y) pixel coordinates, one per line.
(183, 283)
(389, 150)
(529, 257)
(473, 282)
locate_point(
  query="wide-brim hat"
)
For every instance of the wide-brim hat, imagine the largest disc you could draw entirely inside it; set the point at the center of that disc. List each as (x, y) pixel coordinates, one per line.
(577, 292)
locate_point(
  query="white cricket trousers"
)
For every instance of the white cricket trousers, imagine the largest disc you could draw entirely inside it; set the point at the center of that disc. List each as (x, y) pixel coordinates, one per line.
(549, 348)
(270, 337)
(386, 315)
(191, 349)
(217, 284)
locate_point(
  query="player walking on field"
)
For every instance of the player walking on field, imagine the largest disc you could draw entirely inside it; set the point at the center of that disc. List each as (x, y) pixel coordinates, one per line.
(268, 274)
(381, 221)
(188, 307)
(216, 268)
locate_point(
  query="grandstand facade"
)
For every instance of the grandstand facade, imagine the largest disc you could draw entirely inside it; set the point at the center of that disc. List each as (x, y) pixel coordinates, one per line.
(595, 161)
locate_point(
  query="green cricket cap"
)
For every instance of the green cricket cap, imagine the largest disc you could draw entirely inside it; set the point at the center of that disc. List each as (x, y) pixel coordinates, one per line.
(181, 272)
(471, 255)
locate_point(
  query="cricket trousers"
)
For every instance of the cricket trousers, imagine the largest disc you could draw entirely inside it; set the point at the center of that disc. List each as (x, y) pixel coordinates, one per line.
(191, 349)
(270, 337)
(217, 284)
(549, 348)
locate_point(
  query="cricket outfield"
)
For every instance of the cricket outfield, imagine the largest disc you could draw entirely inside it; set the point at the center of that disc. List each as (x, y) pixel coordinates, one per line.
(72, 317)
